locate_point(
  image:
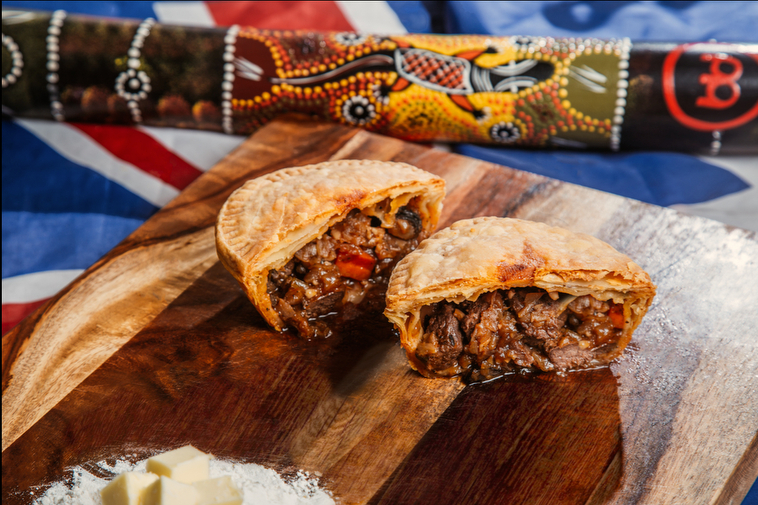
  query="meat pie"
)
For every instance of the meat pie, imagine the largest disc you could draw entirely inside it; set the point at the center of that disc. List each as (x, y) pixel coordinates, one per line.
(308, 241)
(489, 296)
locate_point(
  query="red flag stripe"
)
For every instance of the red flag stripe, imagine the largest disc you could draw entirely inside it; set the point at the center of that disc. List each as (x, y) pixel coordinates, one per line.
(14, 313)
(324, 16)
(143, 151)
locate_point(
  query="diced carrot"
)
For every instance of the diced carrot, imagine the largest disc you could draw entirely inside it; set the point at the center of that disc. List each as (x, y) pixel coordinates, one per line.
(355, 264)
(617, 315)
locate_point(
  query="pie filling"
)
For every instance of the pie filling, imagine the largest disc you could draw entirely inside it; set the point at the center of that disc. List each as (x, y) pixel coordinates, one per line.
(347, 269)
(507, 330)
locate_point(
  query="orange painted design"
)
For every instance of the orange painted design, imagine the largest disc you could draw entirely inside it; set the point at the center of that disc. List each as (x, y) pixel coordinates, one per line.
(415, 87)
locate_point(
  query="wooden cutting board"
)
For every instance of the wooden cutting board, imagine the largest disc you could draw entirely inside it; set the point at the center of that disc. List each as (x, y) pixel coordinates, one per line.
(155, 346)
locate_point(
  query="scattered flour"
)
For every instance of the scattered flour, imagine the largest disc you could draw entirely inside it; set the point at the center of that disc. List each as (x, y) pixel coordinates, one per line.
(260, 485)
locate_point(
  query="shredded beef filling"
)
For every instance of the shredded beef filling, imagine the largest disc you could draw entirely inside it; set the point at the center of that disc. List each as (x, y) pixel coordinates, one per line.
(507, 330)
(346, 270)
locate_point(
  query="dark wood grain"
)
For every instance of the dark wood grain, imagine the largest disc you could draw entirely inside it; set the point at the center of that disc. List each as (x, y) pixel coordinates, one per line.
(539, 439)
(207, 371)
(186, 359)
(744, 476)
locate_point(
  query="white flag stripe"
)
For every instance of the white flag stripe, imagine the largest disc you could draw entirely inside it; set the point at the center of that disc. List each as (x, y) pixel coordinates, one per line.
(200, 149)
(737, 209)
(372, 17)
(37, 286)
(184, 13)
(82, 150)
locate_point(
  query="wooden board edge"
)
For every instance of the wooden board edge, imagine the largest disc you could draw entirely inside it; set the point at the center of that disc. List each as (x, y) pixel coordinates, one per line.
(742, 478)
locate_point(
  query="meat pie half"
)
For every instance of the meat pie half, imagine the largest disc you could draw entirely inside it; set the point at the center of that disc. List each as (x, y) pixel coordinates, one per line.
(489, 296)
(309, 241)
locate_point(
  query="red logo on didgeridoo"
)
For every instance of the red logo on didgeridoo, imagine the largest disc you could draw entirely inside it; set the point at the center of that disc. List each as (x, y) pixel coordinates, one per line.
(722, 90)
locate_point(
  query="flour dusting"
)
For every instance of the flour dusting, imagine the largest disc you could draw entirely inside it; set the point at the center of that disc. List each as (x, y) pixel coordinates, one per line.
(259, 485)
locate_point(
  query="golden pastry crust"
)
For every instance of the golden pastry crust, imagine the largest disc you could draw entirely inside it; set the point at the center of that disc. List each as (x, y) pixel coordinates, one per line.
(476, 256)
(267, 220)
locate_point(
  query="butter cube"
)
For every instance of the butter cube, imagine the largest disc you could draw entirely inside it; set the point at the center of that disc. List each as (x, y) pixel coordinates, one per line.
(127, 489)
(219, 491)
(166, 491)
(185, 464)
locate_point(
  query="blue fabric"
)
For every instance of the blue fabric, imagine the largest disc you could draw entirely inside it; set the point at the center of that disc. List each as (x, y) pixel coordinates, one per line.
(57, 214)
(752, 495)
(659, 178)
(51, 183)
(132, 9)
(59, 241)
(413, 15)
(663, 21)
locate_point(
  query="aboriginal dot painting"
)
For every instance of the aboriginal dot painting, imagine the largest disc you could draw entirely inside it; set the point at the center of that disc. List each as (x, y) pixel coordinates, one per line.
(510, 91)
(518, 90)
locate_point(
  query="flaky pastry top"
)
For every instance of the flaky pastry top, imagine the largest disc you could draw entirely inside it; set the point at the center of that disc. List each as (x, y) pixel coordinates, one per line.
(475, 256)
